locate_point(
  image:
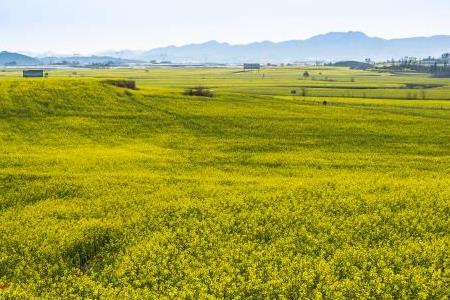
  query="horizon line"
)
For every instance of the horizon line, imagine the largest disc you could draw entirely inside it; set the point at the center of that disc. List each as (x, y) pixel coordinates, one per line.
(102, 52)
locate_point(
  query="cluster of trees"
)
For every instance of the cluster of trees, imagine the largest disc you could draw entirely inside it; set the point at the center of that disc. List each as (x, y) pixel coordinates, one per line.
(439, 67)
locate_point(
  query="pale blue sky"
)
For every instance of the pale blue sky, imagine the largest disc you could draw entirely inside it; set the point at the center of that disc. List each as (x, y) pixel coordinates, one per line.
(87, 26)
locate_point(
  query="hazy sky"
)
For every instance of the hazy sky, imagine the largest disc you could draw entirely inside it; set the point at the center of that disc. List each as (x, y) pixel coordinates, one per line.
(86, 26)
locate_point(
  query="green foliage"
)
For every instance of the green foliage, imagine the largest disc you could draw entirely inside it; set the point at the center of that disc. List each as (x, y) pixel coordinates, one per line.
(128, 84)
(199, 91)
(108, 193)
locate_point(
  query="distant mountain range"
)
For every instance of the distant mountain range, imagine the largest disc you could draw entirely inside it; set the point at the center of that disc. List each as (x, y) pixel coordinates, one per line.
(9, 58)
(16, 59)
(334, 46)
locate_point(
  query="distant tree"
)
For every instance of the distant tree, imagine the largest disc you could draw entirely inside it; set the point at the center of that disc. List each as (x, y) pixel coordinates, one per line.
(434, 68)
(306, 74)
(293, 93)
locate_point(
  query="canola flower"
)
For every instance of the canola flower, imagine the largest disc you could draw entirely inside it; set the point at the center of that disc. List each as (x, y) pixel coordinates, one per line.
(107, 193)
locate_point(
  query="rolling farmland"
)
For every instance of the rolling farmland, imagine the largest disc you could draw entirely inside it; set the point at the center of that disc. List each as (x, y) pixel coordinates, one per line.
(255, 193)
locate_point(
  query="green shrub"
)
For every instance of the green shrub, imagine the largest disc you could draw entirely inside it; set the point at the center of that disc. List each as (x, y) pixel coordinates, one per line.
(199, 91)
(127, 84)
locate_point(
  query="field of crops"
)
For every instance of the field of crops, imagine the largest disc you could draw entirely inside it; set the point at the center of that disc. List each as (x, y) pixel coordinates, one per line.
(255, 193)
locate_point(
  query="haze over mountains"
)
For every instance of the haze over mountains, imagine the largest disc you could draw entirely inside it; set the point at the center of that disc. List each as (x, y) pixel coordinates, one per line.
(9, 58)
(16, 59)
(335, 46)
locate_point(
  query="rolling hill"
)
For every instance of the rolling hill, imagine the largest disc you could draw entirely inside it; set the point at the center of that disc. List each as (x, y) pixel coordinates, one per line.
(109, 193)
(16, 59)
(9, 58)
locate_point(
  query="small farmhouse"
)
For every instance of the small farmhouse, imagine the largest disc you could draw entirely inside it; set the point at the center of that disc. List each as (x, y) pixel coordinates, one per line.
(252, 66)
(33, 73)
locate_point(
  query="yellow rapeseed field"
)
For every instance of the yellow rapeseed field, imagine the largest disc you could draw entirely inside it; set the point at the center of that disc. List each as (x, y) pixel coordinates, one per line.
(255, 193)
